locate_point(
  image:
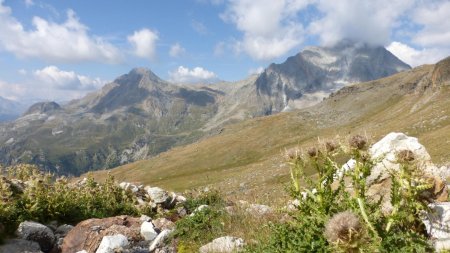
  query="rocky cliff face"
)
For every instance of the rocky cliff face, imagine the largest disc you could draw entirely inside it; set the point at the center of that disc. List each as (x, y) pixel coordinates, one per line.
(308, 77)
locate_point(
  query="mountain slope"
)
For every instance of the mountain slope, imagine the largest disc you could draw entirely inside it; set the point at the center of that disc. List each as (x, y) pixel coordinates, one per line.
(249, 154)
(136, 115)
(139, 115)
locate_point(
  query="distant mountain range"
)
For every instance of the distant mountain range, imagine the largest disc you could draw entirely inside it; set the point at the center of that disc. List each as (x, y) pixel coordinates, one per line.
(10, 110)
(139, 115)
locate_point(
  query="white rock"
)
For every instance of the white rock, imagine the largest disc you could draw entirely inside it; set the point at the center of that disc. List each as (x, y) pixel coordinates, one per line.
(385, 153)
(198, 209)
(145, 218)
(125, 185)
(293, 205)
(226, 244)
(148, 231)
(111, 242)
(159, 240)
(82, 251)
(180, 199)
(259, 210)
(437, 223)
(157, 194)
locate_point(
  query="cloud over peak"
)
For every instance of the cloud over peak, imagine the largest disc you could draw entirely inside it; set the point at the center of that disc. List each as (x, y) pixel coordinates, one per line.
(270, 28)
(144, 43)
(195, 75)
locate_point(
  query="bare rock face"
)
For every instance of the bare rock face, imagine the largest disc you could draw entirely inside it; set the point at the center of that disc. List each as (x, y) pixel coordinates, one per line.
(87, 235)
(441, 73)
(36, 232)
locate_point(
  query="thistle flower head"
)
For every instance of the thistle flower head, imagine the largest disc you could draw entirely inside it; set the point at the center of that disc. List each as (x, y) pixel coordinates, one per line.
(331, 146)
(344, 229)
(312, 152)
(405, 156)
(358, 142)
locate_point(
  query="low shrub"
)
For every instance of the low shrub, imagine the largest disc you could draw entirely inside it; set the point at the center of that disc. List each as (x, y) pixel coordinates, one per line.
(29, 194)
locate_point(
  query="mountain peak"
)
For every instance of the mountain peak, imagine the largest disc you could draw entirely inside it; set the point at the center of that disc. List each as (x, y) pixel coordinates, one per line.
(145, 73)
(43, 107)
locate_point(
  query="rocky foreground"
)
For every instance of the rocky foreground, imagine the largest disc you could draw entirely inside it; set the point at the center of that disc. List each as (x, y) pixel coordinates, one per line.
(129, 234)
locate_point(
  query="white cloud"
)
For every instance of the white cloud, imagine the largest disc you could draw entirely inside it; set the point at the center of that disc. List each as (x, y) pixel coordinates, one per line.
(144, 43)
(22, 71)
(53, 77)
(270, 28)
(50, 83)
(197, 74)
(11, 91)
(434, 17)
(362, 21)
(65, 42)
(256, 71)
(415, 57)
(176, 50)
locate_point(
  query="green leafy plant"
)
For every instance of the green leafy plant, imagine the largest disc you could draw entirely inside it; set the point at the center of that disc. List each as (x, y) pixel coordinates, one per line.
(335, 213)
(29, 194)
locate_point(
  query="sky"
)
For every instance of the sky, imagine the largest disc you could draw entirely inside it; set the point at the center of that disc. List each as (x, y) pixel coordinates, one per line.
(60, 50)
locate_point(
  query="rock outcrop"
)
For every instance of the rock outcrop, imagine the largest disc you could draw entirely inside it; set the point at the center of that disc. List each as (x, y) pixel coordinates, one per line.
(36, 232)
(226, 244)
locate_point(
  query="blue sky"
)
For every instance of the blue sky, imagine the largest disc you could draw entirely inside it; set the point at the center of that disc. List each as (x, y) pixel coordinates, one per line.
(60, 49)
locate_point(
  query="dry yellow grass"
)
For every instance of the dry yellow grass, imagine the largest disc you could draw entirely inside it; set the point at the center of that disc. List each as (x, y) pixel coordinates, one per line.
(245, 160)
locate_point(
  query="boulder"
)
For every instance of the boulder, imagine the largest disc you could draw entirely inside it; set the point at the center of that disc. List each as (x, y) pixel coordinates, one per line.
(63, 230)
(112, 242)
(158, 195)
(163, 224)
(437, 223)
(87, 235)
(159, 240)
(129, 186)
(20, 246)
(36, 232)
(385, 153)
(226, 244)
(148, 231)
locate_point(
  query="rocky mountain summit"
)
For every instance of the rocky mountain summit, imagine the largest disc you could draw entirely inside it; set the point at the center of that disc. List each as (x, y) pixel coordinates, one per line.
(139, 115)
(310, 76)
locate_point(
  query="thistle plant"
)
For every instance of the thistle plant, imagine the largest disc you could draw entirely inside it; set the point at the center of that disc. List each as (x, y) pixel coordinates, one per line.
(345, 232)
(336, 214)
